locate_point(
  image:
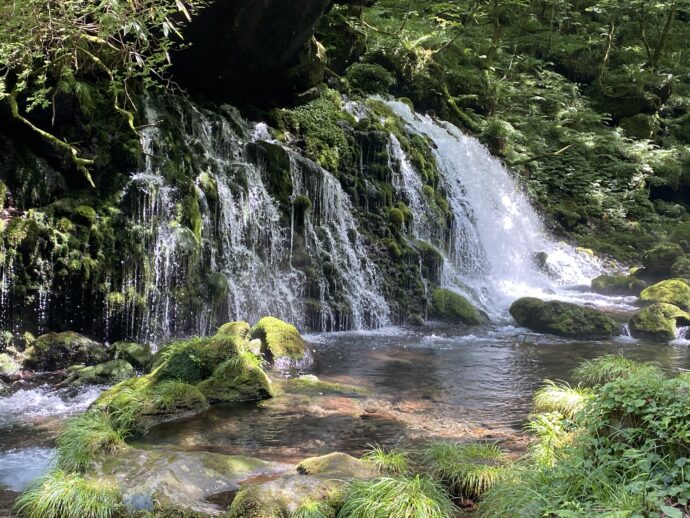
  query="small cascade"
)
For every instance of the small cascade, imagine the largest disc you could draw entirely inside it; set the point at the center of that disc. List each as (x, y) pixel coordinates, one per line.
(490, 250)
(682, 336)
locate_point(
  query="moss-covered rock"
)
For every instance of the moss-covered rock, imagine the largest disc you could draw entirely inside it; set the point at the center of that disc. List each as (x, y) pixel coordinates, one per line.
(138, 355)
(563, 319)
(8, 365)
(618, 285)
(54, 351)
(369, 78)
(658, 322)
(320, 479)
(660, 259)
(106, 373)
(671, 291)
(241, 329)
(147, 401)
(279, 339)
(681, 268)
(450, 307)
(240, 378)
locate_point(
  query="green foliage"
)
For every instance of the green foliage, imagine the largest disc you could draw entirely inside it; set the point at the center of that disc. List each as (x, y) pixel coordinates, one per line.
(399, 497)
(625, 453)
(314, 509)
(561, 398)
(65, 495)
(369, 78)
(468, 470)
(611, 367)
(390, 461)
(85, 437)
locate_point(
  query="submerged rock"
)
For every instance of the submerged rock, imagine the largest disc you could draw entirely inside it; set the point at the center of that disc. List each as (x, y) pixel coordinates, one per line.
(660, 259)
(658, 322)
(450, 307)
(563, 319)
(618, 285)
(138, 355)
(106, 373)
(316, 479)
(55, 351)
(279, 339)
(672, 291)
(177, 482)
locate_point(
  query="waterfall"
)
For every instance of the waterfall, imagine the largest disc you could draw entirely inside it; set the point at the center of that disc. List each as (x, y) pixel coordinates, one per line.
(496, 233)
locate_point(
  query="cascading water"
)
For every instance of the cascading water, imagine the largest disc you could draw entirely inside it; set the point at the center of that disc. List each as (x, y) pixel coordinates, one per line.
(490, 250)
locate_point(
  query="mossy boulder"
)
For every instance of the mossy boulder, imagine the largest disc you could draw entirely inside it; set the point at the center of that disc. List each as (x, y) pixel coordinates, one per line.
(618, 285)
(671, 291)
(55, 351)
(240, 329)
(681, 268)
(450, 307)
(279, 339)
(660, 259)
(238, 379)
(146, 401)
(563, 319)
(320, 479)
(138, 355)
(658, 322)
(8, 365)
(106, 373)
(196, 359)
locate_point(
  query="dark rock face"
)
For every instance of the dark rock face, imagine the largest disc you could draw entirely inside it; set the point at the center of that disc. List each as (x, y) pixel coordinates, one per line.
(252, 49)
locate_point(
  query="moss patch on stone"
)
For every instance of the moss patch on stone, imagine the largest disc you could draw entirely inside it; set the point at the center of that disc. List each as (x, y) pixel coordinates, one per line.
(279, 339)
(450, 307)
(138, 355)
(658, 322)
(618, 285)
(563, 319)
(240, 378)
(54, 351)
(106, 373)
(660, 259)
(671, 291)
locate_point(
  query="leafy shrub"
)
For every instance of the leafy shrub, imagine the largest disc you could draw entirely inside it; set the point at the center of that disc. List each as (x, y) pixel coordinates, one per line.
(391, 461)
(370, 78)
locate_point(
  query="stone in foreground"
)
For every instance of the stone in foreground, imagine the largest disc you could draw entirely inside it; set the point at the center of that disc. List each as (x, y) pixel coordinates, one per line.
(658, 322)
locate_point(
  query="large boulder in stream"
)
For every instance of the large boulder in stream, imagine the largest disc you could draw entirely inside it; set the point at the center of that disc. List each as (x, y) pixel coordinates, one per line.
(55, 351)
(618, 284)
(658, 322)
(448, 306)
(563, 319)
(319, 479)
(180, 483)
(671, 291)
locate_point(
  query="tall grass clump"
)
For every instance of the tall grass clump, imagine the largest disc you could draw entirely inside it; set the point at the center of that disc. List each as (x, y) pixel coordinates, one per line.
(85, 437)
(314, 509)
(625, 453)
(467, 469)
(390, 461)
(397, 497)
(68, 495)
(561, 398)
(611, 367)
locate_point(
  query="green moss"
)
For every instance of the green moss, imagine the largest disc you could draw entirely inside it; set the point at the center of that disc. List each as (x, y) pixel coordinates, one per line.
(241, 329)
(393, 247)
(396, 217)
(279, 339)
(454, 308)
(9, 365)
(562, 319)
(240, 378)
(302, 203)
(660, 259)
(139, 355)
(106, 373)
(84, 215)
(618, 285)
(250, 503)
(194, 360)
(658, 322)
(369, 78)
(55, 351)
(681, 268)
(672, 291)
